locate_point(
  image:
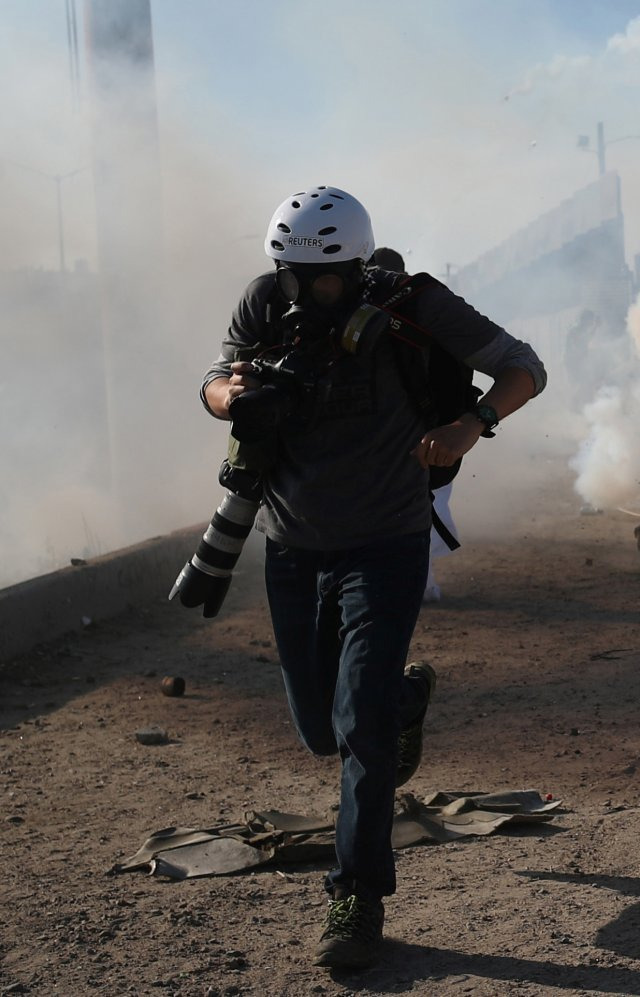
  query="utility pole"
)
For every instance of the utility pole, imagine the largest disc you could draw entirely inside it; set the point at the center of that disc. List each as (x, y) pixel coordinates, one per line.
(57, 179)
(601, 144)
(584, 144)
(60, 233)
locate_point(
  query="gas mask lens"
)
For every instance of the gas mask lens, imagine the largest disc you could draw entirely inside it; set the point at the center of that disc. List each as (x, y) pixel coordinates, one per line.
(324, 289)
(288, 284)
(327, 289)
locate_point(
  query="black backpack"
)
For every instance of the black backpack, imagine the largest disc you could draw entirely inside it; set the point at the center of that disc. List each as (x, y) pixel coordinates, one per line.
(440, 385)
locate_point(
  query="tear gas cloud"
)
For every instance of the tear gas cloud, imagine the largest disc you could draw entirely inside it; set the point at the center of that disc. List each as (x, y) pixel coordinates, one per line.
(608, 460)
(103, 441)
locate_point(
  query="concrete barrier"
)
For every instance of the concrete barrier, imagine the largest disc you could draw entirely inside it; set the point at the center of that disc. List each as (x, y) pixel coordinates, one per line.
(44, 608)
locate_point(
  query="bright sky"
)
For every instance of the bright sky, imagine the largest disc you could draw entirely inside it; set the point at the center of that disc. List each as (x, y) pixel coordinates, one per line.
(454, 121)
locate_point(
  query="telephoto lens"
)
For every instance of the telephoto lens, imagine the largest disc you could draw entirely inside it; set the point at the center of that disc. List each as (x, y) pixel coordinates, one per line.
(206, 577)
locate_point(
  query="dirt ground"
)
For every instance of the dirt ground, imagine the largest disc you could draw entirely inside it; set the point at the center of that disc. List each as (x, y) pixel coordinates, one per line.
(535, 643)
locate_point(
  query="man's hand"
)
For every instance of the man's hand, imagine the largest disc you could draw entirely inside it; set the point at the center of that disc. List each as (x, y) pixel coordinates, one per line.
(444, 445)
(511, 389)
(222, 391)
(240, 381)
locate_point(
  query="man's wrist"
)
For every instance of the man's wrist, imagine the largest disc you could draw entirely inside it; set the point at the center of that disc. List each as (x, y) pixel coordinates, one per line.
(487, 415)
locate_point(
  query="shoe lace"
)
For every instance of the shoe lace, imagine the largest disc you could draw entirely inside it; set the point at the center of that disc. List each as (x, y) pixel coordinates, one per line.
(351, 918)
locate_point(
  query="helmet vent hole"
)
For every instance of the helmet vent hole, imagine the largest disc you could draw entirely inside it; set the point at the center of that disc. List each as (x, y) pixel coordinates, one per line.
(338, 197)
(315, 195)
(277, 246)
(328, 230)
(295, 204)
(283, 228)
(330, 250)
(325, 207)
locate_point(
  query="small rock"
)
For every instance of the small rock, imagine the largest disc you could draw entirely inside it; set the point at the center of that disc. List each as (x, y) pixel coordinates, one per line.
(172, 685)
(239, 963)
(152, 735)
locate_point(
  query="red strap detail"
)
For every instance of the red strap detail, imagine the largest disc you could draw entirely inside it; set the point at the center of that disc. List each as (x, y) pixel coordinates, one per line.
(420, 280)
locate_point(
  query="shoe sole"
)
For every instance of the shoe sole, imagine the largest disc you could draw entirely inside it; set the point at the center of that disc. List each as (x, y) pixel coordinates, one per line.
(333, 960)
(428, 674)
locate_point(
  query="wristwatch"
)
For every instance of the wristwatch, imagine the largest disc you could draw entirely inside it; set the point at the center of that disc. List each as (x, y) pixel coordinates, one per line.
(487, 415)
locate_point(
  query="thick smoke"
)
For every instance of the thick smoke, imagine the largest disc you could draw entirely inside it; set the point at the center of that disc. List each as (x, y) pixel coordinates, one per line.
(103, 440)
(608, 461)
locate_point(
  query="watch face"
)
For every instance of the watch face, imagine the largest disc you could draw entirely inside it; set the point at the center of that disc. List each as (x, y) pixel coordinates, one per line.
(487, 415)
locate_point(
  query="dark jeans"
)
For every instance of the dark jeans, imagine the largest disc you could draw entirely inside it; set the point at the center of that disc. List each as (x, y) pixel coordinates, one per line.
(343, 621)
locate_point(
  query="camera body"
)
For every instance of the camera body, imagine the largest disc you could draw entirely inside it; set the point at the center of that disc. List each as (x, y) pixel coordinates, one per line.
(287, 386)
(296, 382)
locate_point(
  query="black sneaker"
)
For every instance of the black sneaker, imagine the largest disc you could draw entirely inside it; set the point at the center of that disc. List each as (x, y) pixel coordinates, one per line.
(410, 740)
(353, 933)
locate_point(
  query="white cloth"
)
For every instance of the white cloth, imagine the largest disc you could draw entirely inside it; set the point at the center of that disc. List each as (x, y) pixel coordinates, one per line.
(439, 548)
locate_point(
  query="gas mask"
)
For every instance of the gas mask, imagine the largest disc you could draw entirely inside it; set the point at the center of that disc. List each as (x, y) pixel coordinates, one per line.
(320, 296)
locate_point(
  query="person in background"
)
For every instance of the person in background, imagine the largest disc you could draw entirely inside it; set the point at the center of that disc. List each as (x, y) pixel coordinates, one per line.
(392, 260)
(346, 514)
(388, 259)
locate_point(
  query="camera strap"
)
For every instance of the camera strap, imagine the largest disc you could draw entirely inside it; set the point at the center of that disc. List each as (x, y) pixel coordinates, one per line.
(400, 325)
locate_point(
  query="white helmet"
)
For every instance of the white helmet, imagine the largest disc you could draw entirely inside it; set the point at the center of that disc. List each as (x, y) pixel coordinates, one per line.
(320, 225)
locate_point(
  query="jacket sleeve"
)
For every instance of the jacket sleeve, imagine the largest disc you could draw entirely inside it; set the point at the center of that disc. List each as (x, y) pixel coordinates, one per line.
(475, 339)
(505, 351)
(248, 325)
